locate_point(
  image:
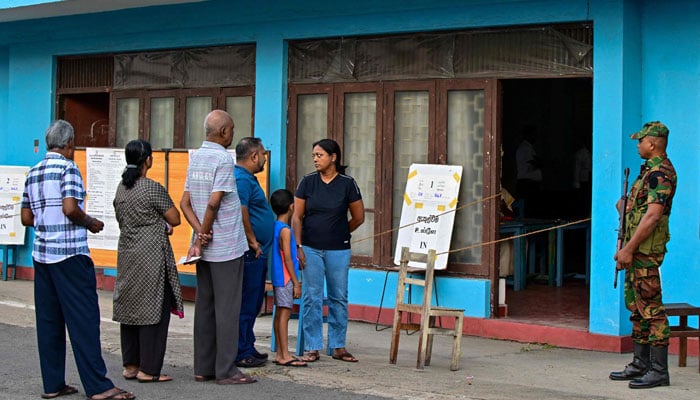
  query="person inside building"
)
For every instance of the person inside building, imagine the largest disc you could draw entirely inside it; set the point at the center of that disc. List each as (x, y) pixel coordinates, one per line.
(529, 171)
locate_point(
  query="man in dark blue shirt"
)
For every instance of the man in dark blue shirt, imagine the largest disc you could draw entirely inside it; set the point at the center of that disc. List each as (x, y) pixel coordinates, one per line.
(258, 222)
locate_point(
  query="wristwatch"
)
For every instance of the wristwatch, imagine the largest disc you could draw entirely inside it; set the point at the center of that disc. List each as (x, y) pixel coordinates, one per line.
(298, 246)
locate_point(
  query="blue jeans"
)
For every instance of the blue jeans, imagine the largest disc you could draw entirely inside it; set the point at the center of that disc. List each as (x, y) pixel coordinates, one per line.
(254, 274)
(333, 265)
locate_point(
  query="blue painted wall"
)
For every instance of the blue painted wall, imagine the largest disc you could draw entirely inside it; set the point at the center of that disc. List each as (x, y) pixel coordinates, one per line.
(671, 93)
(637, 77)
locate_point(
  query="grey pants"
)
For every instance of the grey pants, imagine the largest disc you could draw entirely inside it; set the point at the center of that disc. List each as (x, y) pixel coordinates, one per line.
(216, 312)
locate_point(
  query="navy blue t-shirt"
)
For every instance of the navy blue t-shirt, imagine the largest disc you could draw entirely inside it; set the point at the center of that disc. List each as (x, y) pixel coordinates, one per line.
(325, 223)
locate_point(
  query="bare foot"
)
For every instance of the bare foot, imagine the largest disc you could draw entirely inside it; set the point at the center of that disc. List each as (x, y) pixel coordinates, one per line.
(130, 371)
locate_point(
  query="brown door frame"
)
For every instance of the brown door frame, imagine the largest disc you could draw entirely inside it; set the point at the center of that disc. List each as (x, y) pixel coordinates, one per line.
(437, 144)
(293, 127)
(387, 174)
(338, 134)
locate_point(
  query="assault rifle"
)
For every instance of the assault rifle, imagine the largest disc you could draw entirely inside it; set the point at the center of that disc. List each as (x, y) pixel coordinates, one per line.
(622, 227)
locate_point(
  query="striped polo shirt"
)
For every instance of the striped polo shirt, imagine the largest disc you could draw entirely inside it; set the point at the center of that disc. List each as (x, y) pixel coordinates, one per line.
(211, 170)
(56, 238)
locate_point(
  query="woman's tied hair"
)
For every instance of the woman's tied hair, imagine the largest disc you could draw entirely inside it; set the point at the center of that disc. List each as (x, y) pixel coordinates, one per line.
(136, 153)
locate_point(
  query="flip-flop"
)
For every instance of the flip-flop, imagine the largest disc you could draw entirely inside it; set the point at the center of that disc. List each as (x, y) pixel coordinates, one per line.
(154, 378)
(344, 356)
(294, 362)
(311, 356)
(118, 394)
(66, 391)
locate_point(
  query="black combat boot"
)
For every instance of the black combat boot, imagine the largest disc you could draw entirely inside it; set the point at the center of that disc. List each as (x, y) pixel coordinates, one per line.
(637, 368)
(657, 375)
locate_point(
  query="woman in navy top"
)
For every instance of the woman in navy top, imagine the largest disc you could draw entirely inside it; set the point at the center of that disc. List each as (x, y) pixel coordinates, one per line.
(321, 204)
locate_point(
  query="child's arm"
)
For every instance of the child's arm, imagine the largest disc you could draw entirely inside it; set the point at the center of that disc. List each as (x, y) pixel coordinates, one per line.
(286, 246)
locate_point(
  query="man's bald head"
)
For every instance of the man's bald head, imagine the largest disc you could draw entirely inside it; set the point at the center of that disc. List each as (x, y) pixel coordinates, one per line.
(218, 126)
(215, 121)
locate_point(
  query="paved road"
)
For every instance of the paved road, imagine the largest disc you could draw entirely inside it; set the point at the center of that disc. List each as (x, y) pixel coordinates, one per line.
(500, 369)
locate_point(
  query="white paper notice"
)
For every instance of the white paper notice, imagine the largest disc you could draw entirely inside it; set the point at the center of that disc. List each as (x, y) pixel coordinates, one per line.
(11, 187)
(427, 215)
(104, 172)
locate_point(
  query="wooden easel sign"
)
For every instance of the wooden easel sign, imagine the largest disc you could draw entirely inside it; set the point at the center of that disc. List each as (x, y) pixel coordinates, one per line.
(427, 215)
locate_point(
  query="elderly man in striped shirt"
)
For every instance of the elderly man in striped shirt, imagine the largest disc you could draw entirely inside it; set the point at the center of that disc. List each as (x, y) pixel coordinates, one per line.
(65, 293)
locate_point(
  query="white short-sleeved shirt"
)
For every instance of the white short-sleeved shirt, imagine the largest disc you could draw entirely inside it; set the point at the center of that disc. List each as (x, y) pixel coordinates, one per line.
(211, 170)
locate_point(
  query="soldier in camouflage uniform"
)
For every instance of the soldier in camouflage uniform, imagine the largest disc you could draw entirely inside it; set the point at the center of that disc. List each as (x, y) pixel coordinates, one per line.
(644, 246)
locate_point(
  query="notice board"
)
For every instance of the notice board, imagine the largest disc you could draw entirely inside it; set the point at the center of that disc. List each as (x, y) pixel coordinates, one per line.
(11, 187)
(169, 169)
(428, 212)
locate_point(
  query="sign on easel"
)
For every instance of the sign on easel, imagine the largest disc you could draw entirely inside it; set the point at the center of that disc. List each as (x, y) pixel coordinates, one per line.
(428, 211)
(11, 188)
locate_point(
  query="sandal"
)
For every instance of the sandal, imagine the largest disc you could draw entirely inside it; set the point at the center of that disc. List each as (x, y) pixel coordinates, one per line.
(114, 394)
(311, 356)
(238, 379)
(144, 378)
(293, 362)
(344, 355)
(67, 390)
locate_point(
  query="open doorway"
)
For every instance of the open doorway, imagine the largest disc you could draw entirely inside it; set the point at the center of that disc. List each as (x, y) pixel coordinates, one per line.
(550, 119)
(89, 115)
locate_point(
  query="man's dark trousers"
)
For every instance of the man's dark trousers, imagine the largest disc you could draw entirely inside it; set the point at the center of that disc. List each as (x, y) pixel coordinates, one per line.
(254, 275)
(65, 295)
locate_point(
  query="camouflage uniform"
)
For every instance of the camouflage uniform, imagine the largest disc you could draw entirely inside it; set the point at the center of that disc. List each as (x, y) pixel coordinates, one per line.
(656, 183)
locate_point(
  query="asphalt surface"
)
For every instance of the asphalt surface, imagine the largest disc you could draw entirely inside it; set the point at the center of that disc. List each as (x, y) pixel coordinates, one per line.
(490, 369)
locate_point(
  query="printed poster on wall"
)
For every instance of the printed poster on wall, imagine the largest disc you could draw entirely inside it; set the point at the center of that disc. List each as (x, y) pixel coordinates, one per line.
(104, 172)
(432, 191)
(11, 188)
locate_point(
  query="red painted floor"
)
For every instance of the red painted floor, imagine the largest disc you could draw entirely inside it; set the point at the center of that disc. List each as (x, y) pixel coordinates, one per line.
(540, 304)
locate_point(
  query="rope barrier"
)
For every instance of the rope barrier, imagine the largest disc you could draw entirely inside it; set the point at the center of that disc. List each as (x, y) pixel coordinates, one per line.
(482, 244)
(441, 214)
(516, 236)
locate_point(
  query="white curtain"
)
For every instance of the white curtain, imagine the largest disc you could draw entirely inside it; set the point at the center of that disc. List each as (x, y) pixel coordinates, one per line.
(162, 127)
(359, 154)
(127, 121)
(241, 110)
(465, 146)
(312, 126)
(411, 112)
(197, 110)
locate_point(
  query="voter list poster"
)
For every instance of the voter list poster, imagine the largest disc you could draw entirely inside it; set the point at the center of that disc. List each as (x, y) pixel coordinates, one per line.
(104, 172)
